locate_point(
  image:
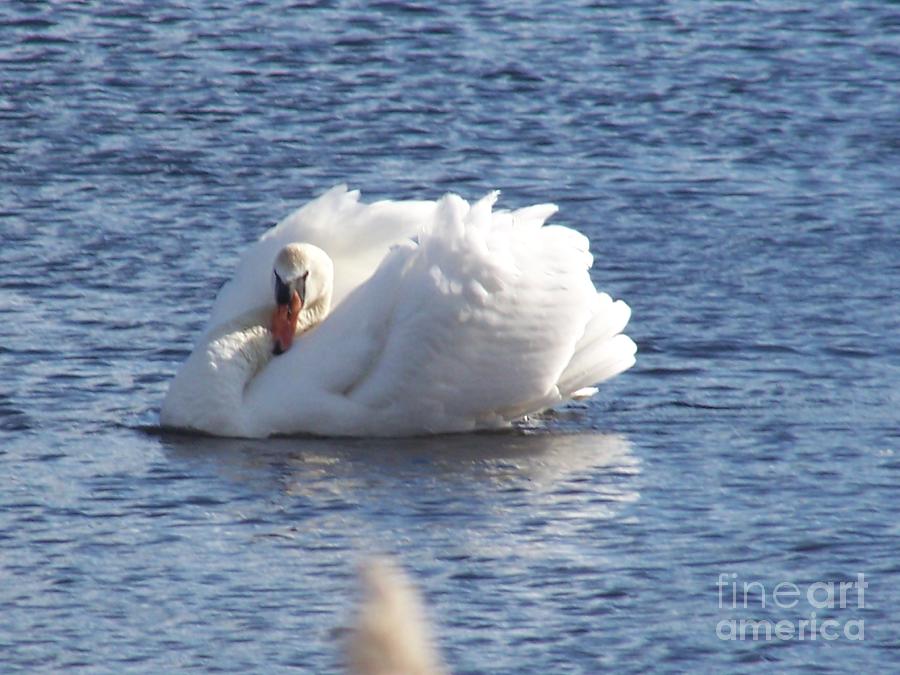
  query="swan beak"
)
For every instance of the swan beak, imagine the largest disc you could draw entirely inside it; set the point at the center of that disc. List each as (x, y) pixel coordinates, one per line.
(284, 323)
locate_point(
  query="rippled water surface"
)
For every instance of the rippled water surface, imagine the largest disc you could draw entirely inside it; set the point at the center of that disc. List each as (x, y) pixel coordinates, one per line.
(737, 168)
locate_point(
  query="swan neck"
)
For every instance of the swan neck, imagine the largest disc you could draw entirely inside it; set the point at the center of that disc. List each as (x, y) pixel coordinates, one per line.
(208, 391)
(314, 313)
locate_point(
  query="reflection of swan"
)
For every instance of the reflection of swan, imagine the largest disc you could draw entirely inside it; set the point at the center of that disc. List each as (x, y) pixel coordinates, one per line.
(485, 318)
(553, 464)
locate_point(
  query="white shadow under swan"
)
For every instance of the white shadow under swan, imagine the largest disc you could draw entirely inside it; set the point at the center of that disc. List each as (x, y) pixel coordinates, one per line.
(406, 318)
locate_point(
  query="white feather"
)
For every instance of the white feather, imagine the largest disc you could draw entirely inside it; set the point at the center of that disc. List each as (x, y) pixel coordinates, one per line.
(484, 318)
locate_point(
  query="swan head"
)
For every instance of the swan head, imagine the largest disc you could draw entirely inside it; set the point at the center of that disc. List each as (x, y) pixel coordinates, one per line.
(303, 276)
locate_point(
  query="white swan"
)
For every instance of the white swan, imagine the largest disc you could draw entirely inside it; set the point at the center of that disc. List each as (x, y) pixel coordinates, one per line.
(443, 317)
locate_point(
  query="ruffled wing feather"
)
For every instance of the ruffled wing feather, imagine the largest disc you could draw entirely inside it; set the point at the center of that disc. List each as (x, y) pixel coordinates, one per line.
(488, 317)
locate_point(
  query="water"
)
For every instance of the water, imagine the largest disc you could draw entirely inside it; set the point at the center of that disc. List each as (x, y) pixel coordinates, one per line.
(736, 168)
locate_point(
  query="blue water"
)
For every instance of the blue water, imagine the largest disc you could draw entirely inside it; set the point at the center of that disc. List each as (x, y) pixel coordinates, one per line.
(736, 166)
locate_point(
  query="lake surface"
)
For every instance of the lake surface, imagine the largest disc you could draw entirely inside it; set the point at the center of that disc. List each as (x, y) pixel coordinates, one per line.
(737, 169)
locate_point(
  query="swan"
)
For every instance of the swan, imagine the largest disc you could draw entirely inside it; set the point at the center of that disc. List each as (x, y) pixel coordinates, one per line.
(400, 318)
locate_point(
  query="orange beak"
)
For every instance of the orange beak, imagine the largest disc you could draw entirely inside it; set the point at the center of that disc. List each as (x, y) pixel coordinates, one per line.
(284, 323)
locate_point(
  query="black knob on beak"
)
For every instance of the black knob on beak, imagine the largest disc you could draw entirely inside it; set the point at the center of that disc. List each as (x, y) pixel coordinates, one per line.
(282, 291)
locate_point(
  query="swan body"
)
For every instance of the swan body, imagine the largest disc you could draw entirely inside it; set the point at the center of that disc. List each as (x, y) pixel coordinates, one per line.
(444, 317)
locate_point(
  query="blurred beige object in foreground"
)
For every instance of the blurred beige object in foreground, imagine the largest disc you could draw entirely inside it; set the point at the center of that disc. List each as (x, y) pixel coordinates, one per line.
(391, 635)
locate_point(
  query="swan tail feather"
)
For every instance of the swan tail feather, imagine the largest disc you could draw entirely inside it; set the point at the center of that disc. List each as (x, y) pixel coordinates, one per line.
(603, 351)
(599, 361)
